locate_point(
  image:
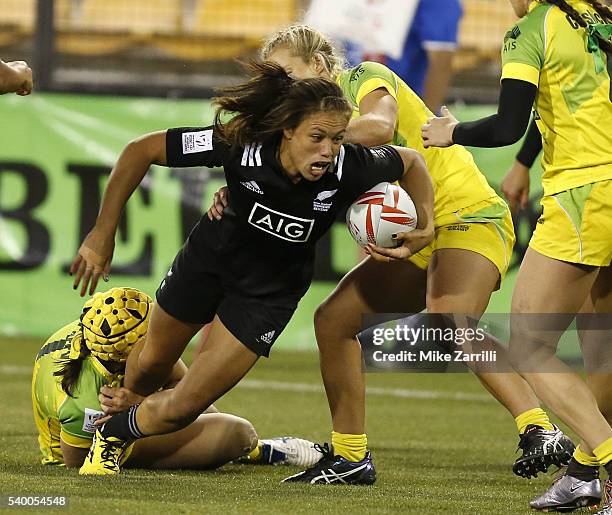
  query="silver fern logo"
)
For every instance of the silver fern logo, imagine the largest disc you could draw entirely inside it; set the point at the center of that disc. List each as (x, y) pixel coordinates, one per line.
(324, 195)
(319, 204)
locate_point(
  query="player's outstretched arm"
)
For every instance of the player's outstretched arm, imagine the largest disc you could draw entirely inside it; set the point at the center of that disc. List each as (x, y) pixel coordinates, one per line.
(417, 183)
(96, 252)
(516, 99)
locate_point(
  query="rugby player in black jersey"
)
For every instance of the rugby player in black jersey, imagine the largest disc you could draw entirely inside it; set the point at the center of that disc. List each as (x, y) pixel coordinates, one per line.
(288, 175)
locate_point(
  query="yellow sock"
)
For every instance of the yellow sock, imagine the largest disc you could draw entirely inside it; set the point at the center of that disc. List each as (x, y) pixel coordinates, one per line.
(351, 447)
(603, 452)
(585, 459)
(255, 454)
(535, 416)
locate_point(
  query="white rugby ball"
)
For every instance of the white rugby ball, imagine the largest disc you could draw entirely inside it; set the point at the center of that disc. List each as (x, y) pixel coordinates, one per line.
(378, 213)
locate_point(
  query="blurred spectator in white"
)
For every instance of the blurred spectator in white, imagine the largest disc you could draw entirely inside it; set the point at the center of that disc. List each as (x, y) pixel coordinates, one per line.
(426, 62)
(15, 77)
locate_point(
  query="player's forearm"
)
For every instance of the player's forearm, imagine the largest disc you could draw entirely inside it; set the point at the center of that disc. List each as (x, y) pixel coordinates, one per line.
(370, 130)
(417, 182)
(127, 174)
(507, 125)
(531, 147)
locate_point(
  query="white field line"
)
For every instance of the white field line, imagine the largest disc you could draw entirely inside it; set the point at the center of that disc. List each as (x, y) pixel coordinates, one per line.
(256, 384)
(14, 370)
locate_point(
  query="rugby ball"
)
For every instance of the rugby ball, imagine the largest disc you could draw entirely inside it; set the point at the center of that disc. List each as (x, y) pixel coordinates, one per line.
(378, 213)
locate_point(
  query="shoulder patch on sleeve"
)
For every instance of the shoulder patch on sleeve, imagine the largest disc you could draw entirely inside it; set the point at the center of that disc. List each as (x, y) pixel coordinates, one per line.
(512, 34)
(200, 141)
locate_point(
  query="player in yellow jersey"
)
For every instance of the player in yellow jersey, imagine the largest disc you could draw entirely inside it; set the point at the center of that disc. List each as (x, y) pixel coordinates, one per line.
(558, 59)
(456, 273)
(88, 356)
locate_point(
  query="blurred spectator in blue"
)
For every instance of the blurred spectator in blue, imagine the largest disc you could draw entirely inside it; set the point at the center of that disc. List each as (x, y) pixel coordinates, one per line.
(426, 62)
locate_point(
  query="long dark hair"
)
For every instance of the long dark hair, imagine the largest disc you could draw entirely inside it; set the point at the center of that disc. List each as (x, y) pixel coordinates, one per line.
(271, 101)
(71, 368)
(602, 10)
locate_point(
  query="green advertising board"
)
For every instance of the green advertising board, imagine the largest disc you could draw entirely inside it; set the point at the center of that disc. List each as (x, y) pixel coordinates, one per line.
(55, 154)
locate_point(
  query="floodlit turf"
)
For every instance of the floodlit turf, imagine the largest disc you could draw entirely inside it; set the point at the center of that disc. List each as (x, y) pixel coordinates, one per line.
(432, 455)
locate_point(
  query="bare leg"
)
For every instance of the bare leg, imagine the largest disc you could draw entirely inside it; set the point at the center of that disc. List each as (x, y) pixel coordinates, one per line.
(461, 281)
(209, 442)
(222, 362)
(399, 287)
(201, 339)
(596, 348)
(370, 287)
(564, 392)
(149, 365)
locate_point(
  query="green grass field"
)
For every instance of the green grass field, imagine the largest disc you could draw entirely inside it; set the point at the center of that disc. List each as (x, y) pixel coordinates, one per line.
(440, 444)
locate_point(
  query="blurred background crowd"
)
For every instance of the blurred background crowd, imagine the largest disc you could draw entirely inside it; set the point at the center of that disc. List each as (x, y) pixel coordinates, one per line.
(185, 48)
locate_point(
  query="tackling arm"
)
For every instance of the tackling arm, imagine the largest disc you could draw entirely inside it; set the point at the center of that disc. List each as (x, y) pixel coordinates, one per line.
(503, 128)
(377, 120)
(516, 99)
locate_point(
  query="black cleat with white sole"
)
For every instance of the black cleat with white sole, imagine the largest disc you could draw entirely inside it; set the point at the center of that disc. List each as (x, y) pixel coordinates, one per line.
(337, 470)
(542, 448)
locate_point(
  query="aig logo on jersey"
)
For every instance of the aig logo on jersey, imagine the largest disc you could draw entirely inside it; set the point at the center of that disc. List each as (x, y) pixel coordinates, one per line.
(281, 225)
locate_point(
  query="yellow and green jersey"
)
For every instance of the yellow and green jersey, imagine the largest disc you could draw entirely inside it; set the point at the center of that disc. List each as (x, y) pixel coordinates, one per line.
(457, 180)
(573, 106)
(57, 415)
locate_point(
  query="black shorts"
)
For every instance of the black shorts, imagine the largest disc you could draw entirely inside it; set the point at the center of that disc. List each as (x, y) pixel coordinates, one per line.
(196, 288)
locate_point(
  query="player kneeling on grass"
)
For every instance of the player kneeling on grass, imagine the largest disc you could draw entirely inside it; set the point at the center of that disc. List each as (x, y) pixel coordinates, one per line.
(88, 356)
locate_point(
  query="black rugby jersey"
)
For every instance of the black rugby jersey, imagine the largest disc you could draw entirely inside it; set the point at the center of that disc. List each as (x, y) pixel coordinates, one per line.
(266, 239)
